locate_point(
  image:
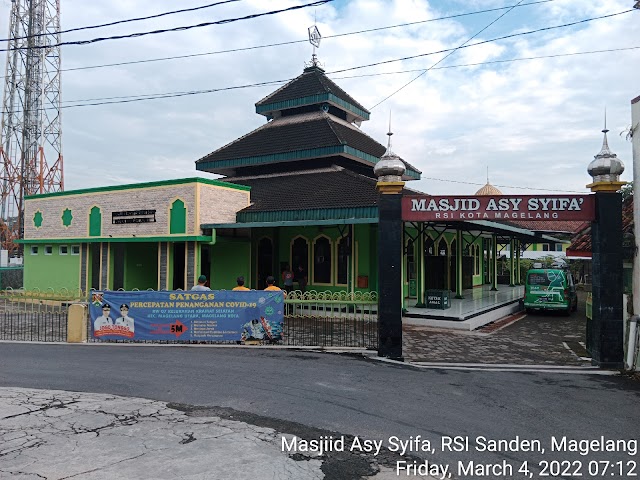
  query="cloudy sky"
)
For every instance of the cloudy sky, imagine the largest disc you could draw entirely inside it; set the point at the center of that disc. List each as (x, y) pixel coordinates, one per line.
(535, 124)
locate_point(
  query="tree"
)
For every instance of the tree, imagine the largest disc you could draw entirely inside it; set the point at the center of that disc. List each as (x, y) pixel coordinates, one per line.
(626, 191)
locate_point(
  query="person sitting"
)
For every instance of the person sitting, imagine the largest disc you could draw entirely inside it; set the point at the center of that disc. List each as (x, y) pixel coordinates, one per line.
(201, 284)
(240, 287)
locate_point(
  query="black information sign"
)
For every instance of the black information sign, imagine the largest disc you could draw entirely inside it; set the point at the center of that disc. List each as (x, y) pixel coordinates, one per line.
(133, 216)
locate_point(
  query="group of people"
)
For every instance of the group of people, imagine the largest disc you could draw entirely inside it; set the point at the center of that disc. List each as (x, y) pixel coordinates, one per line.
(288, 278)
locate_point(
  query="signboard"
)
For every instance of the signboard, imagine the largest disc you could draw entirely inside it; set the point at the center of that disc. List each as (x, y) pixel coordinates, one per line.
(425, 208)
(439, 299)
(187, 315)
(133, 216)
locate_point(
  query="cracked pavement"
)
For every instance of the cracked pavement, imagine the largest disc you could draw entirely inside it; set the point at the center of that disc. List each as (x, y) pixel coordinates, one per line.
(52, 434)
(61, 435)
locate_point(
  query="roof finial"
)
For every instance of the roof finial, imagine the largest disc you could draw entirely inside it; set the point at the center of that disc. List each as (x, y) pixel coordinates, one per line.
(389, 133)
(487, 174)
(314, 39)
(605, 143)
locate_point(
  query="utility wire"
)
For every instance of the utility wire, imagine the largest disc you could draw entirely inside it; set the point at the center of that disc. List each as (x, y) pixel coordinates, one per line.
(291, 42)
(176, 29)
(501, 186)
(156, 96)
(480, 43)
(446, 56)
(489, 62)
(120, 21)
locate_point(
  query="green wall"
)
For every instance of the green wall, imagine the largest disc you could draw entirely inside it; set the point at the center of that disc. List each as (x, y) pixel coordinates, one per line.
(230, 258)
(51, 271)
(141, 266)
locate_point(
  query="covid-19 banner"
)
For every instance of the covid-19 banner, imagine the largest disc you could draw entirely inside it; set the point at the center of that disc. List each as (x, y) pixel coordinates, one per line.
(187, 316)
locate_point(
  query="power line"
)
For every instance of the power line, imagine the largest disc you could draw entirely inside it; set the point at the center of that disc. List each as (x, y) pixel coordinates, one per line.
(501, 186)
(479, 43)
(121, 21)
(291, 42)
(316, 3)
(489, 62)
(156, 96)
(446, 56)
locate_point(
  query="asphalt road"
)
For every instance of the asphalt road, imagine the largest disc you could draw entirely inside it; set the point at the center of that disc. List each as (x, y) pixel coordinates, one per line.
(350, 395)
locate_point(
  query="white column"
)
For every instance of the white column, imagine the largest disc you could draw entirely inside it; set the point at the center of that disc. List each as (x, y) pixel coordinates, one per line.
(635, 125)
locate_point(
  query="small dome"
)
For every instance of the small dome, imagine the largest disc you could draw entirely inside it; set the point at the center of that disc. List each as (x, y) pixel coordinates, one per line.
(389, 164)
(488, 189)
(390, 168)
(606, 166)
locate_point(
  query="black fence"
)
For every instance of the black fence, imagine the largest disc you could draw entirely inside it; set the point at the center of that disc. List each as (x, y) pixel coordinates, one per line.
(32, 319)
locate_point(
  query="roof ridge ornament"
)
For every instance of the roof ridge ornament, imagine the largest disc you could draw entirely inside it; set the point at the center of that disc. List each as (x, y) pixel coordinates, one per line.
(314, 39)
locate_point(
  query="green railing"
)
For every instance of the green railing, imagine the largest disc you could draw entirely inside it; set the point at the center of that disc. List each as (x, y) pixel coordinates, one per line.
(589, 306)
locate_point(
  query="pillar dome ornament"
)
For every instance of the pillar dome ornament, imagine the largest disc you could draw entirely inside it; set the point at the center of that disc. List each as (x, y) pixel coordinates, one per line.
(605, 166)
(390, 168)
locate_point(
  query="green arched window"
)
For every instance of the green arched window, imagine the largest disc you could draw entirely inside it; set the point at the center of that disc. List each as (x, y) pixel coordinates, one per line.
(178, 217)
(95, 222)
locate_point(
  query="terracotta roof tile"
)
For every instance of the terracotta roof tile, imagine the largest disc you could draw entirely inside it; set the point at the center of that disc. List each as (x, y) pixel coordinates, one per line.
(581, 242)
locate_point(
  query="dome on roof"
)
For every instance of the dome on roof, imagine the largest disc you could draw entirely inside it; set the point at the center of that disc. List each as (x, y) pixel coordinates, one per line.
(605, 166)
(488, 189)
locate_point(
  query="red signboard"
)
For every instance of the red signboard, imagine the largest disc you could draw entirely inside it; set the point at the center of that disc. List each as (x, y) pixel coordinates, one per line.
(496, 208)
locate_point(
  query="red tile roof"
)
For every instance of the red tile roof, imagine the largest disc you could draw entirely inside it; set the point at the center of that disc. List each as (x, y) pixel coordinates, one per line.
(581, 242)
(562, 226)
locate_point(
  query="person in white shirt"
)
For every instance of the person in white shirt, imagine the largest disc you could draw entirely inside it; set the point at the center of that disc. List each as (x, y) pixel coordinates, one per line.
(105, 320)
(125, 320)
(202, 280)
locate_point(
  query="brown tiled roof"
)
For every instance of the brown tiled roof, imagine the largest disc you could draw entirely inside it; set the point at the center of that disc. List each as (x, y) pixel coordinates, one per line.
(581, 242)
(562, 226)
(333, 187)
(313, 81)
(298, 132)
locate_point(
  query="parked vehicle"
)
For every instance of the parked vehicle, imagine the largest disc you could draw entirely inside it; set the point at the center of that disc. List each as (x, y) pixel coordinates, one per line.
(550, 289)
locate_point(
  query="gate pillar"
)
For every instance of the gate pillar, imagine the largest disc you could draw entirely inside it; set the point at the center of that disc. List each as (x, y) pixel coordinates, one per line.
(389, 171)
(606, 335)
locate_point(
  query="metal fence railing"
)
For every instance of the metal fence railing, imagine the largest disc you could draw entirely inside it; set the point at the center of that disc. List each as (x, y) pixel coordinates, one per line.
(336, 319)
(325, 319)
(35, 315)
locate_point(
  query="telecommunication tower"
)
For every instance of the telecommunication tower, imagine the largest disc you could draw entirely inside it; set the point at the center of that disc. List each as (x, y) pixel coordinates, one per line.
(31, 133)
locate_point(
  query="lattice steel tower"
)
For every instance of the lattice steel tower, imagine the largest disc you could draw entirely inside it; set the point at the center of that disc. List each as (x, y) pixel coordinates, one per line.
(31, 135)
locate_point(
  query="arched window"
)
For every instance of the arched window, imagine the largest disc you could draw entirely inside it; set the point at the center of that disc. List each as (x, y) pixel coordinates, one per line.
(454, 248)
(95, 222)
(322, 260)
(429, 247)
(344, 250)
(443, 248)
(299, 254)
(178, 217)
(411, 260)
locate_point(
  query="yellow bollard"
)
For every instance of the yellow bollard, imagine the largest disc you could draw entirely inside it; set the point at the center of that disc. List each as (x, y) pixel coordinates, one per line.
(77, 323)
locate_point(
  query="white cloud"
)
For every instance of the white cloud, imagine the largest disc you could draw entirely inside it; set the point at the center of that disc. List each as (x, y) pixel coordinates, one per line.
(534, 123)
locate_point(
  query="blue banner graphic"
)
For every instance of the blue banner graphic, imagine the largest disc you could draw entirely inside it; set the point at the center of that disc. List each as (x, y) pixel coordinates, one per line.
(216, 315)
